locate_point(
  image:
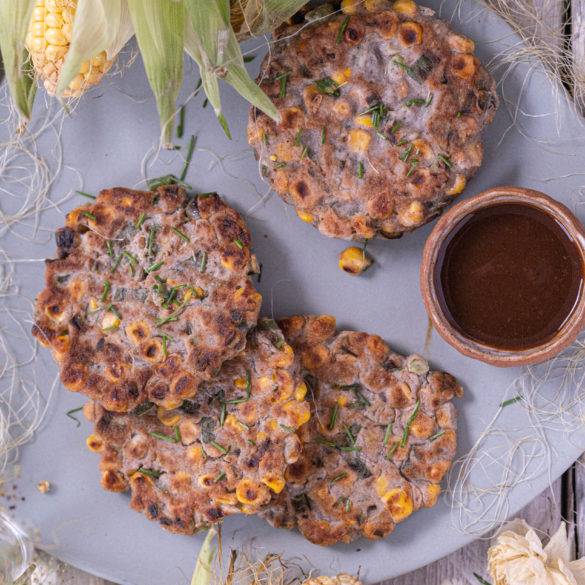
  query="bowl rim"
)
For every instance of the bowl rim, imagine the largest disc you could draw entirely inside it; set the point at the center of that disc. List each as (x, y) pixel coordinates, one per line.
(444, 227)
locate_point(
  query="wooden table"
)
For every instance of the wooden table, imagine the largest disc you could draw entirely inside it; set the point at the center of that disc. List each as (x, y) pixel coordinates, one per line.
(564, 500)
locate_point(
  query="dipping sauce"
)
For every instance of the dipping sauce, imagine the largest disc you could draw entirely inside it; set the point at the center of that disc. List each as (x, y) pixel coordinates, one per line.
(509, 276)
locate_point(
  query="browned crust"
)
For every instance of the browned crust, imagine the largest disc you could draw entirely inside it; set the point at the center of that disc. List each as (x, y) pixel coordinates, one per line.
(334, 492)
(405, 183)
(231, 456)
(205, 247)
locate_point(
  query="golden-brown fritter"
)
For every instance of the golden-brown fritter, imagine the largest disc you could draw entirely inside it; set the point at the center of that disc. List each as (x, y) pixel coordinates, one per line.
(223, 452)
(381, 437)
(149, 295)
(381, 114)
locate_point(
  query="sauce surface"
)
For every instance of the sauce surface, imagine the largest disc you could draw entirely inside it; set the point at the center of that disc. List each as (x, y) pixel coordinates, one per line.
(509, 276)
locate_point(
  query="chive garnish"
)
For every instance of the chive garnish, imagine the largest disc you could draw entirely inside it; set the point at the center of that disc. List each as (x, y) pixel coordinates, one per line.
(305, 152)
(181, 124)
(219, 477)
(287, 428)
(109, 249)
(413, 164)
(205, 102)
(140, 220)
(154, 267)
(150, 240)
(132, 260)
(436, 435)
(378, 112)
(248, 391)
(174, 316)
(327, 86)
(510, 401)
(143, 408)
(392, 450)
(223, 450)
(387, 434)
(406, 153)
(347, 504)
(333, 417)
(84, 194)
(165, 341)
(283, 80)
(222, 414)
(89, 215)
(342, 29)
(323, 135)
(106, 291)
(409, 424)
(174, 438)
(398, 60)
(481, 580)
(116, 263)
(181, 235)
(445, 160)
(279, 164)
(71, 412)
(149, 472)
(339, 477)
(459, 114)
(203, 262)
(188, 158)
(396, 126)
(299, 137)
(361, 170)
(249, 58)
(239, 244)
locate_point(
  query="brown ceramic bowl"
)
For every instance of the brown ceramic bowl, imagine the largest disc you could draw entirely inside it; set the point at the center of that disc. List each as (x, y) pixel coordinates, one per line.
(444, 227)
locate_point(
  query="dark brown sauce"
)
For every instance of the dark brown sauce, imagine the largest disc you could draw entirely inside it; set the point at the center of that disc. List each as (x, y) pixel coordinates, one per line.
(509, 276)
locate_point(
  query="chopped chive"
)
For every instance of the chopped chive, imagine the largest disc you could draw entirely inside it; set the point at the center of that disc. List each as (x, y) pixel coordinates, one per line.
(396, 126)
(378, 111)
(248, 391)
(203, 262)
(199, 83)
(413, 164)
(323, 135)
(406, 153)
(409, 424)
(163, 437)
(140, 220)
(219, 477)
(429, 100)
(154, 184)
(392, 450)
(327, 86)
(222, 413)
(112, 309)
(299, 137)
(387, 434)
(510, 401)
(459, 114)
(150, 240)
(132, 260)
(249, 58)
(116, 263)
(445, 160)
(239, 244)
(154, 267)
(224, 126)
(481, 579)
(361, 170)
(382, 136)
(342, 29)
(174, 316)
(223, 450)
(436, 435)
(149, 472)
(333, 417)
(339, 477)
(181, 124)
(71, 412)
(181, 235)
(188, 158)
(279, 164)
(109, 249)
(305, 152)
(283, 80)
(398, 60)
(287, 428)
(415, 102)
(347, 504)
(165, 344)
(89, 215)
(106, 291)
(143, 408)
(84, 194)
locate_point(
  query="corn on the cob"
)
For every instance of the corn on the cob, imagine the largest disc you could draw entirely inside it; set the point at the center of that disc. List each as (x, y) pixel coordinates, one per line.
(48, 40)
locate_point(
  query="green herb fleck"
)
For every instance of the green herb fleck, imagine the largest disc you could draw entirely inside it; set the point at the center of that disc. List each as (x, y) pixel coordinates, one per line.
(143, 408)
(174, 316)
(510, 401)
(203, 262)
(406, 153)
(481, 579)
(109, 249)
(89, 215)
(333, 417)
(445, 160)
(328, 86)
(72, 412)
(249, 58)
(116, 263)
(409, 424)
(132, 260)
(150, 240)
(219, 477)
(149, 472)
(392, 450)
(342, 29)
(181, 234)
(106, 291)
(248, 391)
(282, 78)
(181, 124)
(84, 194)
(287, 428)
(154, 267)
(165, 344)
(239, 244)
(140, 220)
(339, 477)
(223, 450)
(436, 435)
(174, 438)
(188, 158)
(361, 170)
(347, 504)
(387, 433)
(323, 135)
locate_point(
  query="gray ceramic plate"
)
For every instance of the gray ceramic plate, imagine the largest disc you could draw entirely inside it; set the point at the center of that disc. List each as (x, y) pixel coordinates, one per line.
(105, 140)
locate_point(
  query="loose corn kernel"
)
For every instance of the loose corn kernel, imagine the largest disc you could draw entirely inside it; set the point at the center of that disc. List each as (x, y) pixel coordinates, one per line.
(354, 260)
(265, 384)
(358, 140)
(249, 492)
(410, 33)
(94, 443)
(226, 499)
(464, 66)
(458, 186)
(350, 6)
(412, 215)
(110, 322)
(301, 391)
(274, 482)
(61, 343)
(399, 504)
(44, 486)
(138, 332)
(169, 418)
(305, 216)
(405, 7)
(364, 120)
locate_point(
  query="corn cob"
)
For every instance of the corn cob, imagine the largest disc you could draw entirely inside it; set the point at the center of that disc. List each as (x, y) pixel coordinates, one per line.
(48, 40)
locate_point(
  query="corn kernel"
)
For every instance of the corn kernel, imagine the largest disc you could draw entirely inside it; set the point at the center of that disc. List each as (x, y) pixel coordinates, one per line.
(285, 358)
(138, 332)
(364, 120)
(354, 260)
(44, 486)
(226, 499)
(231, 422)
(433, 492)
(274, 483)
(301, 391)
(464, 66)
(110, 322)
(249, 492)
(358, 140)
(405, 7)
(168, 418)
(227, 262)
(399, 504)
(458, 186)
(241, 383)
(195, 454)
(461, 44)
(350, 6)
(413, 215)
(93, 304)
(94, 443)
(305, 216)
(410, 33)
(342, 400)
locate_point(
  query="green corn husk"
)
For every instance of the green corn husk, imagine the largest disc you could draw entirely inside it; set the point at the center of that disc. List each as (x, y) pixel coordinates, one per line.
(14, 19)
(159, 26)
(258, 17)
(99, 25)
(203, 573)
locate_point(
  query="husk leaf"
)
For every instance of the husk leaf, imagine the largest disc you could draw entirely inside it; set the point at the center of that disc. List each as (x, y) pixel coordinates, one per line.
(99, 25)
(203, 573)
(213, 45)
(263, 16)
(159, 26)
(14, 20)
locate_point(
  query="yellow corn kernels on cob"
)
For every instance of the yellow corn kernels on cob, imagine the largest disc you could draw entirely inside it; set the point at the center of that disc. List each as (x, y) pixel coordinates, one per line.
(48, 40)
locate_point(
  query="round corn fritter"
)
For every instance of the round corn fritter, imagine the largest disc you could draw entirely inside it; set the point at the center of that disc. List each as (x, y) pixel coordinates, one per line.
(381, 112)
(149, 295)
(381, 437)
(223, 452)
